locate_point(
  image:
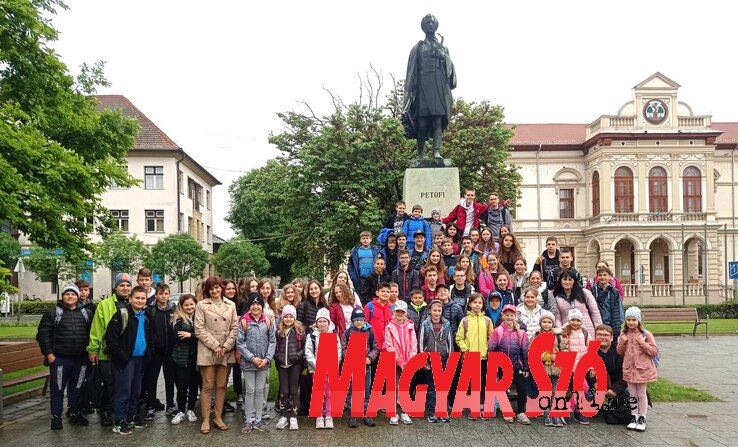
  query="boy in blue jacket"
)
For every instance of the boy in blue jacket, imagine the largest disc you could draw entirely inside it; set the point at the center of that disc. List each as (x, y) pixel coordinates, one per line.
(361, 261)
(417, 222)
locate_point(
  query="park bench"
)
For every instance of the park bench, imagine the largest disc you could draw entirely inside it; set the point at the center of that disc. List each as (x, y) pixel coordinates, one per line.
(676, 315)
(17, 357)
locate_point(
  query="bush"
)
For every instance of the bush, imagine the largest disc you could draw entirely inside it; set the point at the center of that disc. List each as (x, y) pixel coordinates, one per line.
(36, 307)
(728, 309)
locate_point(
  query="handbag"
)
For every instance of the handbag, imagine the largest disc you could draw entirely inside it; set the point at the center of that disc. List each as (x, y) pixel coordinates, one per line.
(92, 387)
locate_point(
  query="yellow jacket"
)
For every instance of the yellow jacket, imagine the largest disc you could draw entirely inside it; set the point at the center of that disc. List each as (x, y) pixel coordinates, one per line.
(474, 332)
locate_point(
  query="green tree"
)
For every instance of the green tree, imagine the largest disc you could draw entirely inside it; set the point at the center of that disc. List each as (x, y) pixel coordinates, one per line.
(5, 275)
(340, 174)
(53, 266)
(178, 257)
(238, 258)
(121, 253)
(9, 249)
(57, 153)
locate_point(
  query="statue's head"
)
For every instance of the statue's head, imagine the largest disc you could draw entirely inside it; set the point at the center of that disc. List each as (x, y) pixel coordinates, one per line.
(429, 24)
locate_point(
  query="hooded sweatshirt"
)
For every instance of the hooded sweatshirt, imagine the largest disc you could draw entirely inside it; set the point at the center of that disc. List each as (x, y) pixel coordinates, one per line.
(401, 339)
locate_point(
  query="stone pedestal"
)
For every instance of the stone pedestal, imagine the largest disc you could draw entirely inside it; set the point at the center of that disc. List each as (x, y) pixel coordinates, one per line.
(431, 187)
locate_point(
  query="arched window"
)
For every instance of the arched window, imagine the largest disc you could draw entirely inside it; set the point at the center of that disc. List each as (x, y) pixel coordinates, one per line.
(692, 181)
(596, 193)
(623, 190)
(657, 195)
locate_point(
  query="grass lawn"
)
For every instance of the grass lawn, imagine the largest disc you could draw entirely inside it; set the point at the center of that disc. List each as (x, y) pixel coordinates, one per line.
(664, 390)
(10, 331)
(726, 326)
(23, 386)
(273, 386)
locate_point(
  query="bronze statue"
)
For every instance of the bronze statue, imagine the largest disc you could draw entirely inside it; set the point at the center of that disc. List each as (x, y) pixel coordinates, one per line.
(430, 78)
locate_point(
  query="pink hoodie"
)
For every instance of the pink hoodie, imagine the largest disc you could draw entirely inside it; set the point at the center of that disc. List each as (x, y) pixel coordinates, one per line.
(401, 339)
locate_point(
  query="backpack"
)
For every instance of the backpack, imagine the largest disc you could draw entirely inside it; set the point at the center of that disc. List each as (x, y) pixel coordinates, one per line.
(465, 323)
(498, 332)
(60, 312)
(382, 236)
(245, 325)
(657, 358)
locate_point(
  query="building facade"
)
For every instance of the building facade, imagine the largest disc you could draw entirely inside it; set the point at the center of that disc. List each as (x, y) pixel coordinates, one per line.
(175, 195)
(651, 190)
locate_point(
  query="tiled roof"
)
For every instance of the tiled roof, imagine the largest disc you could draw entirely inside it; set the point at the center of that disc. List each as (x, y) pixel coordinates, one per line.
(150, 136)
(730, 132)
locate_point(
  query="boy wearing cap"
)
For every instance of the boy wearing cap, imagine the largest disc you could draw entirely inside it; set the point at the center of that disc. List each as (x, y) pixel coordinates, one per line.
(418, 252)
(323, 325)
(416, 223)
(62, 337)
(359, 325)
(400, 338)
(103, 314)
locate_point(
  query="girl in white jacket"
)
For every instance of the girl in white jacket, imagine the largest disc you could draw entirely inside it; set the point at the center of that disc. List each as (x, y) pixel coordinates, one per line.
(323, 325)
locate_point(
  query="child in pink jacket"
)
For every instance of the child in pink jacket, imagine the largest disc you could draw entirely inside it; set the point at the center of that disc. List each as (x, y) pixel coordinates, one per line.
(638, 348)
(400, 338)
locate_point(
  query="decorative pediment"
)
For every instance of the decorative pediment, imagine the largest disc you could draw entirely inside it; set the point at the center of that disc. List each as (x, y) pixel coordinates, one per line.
(567, 175)
(657, 81)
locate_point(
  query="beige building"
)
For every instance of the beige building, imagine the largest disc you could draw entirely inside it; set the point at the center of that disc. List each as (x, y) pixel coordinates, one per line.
(175, 195)
(651, 190)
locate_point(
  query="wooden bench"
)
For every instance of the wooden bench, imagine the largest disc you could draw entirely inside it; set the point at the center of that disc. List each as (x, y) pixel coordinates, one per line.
(17, 357)
(676, 315)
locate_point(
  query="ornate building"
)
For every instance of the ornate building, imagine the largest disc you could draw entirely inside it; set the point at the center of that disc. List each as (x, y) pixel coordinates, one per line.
(651, 190)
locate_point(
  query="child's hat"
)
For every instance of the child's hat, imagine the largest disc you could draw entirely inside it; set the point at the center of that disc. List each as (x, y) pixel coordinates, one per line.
(323, 313)
(70, 288)
(495, 294)
(418, 232)
(255, 298)
(635, 313)
(546, 314)
(435, 302)
(121, 278)
(289, 310)
(510, 308)
(401, 306)
(575, 314)
(357, 314)
(436, 210)
(441, 286)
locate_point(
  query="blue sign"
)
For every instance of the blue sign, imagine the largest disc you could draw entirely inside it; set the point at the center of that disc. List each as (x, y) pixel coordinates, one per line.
(155, 278)
(733, 270)
(86, 276)
(89, 263)
(58, 252)
(25, 252)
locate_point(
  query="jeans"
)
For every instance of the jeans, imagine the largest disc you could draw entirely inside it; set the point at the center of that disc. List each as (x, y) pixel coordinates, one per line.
(253, 394)
(187, 380)
(237, 382)
(289, 379)
(127, 389)
(151, 377)
(367, 390)
(69, 373)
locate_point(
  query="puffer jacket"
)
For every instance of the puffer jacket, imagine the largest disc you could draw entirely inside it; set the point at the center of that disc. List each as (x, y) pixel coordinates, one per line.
(184, 352)
(290, 348)
(515, 345)
(590, 312)
(417, 314)
(529, 318)
(307, 311)
(312, 344)
(508, 297)
(486, 282)
(454, 314)
(610, 305)
(401, 339)
(412, 225)
(577, 341)
(257, 340)
(442, 342)
(68, 337)
(372, 350)
(638, 366)
(161, 333)
(476, 337)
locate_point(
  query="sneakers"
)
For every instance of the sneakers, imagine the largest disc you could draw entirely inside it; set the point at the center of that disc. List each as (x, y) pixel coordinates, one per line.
(266, 415)
(549, 421)
(191, 416)
(641, 425)
(558, 422)
(508, 420)
(78, 419)
(171, 411)
(281, 423)
(246, 427)
(405, 419)
(328, 422)
(178, 418)
(578, 417)
(150, 414)
(433, 420)
(633, 423)
(56, 423)
(228, 408)
(293, 424)
(369, 422)
(261, 426)
(320, 423)
(122, 428)
(138, 423)
(394, 420)
(446, 418)
(352, 423)
(523, 419)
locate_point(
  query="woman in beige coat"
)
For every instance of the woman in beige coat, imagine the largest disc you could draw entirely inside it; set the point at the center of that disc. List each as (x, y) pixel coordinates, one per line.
(215, 327)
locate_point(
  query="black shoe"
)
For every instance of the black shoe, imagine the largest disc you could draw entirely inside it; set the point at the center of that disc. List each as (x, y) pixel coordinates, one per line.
(369, 422)
(158, 406)
(56, 423)
(579, 417)
(78, 419)
(171, 410)
(150, 414)
(106, 419)
(352, 423)
(228, 408)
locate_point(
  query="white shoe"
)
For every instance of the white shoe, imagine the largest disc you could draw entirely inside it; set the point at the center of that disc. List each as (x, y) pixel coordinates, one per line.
(641, 425)
(293, 424)
(320, 423)
(328, 422)
(633, 423)
(178, 418)
(394, 420)
(405, 419)
(191, 416)
(281, 423)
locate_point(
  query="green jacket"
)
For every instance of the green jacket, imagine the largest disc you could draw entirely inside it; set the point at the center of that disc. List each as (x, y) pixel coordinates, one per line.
(104, 312)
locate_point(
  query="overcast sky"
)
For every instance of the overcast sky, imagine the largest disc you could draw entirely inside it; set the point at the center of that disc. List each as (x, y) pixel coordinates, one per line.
(213, 75)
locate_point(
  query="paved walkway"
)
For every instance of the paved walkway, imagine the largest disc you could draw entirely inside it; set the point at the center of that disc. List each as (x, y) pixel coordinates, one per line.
(706, 364)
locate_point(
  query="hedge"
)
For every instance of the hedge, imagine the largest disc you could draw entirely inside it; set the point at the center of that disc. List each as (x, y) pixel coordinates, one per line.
(729, 309)
(35, 307)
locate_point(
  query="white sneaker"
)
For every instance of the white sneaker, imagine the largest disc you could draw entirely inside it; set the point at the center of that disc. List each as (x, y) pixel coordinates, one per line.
(178, 418)
(191, 416)
(394, 420)
(641, 425)
(405, 419)
(320, 423)
(523, 419)
(633, 423)
(281, 423)
(328, 422)
(293, 424)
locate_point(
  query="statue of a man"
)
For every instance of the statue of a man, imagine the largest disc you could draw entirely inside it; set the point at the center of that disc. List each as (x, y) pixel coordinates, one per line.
(428, 84)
